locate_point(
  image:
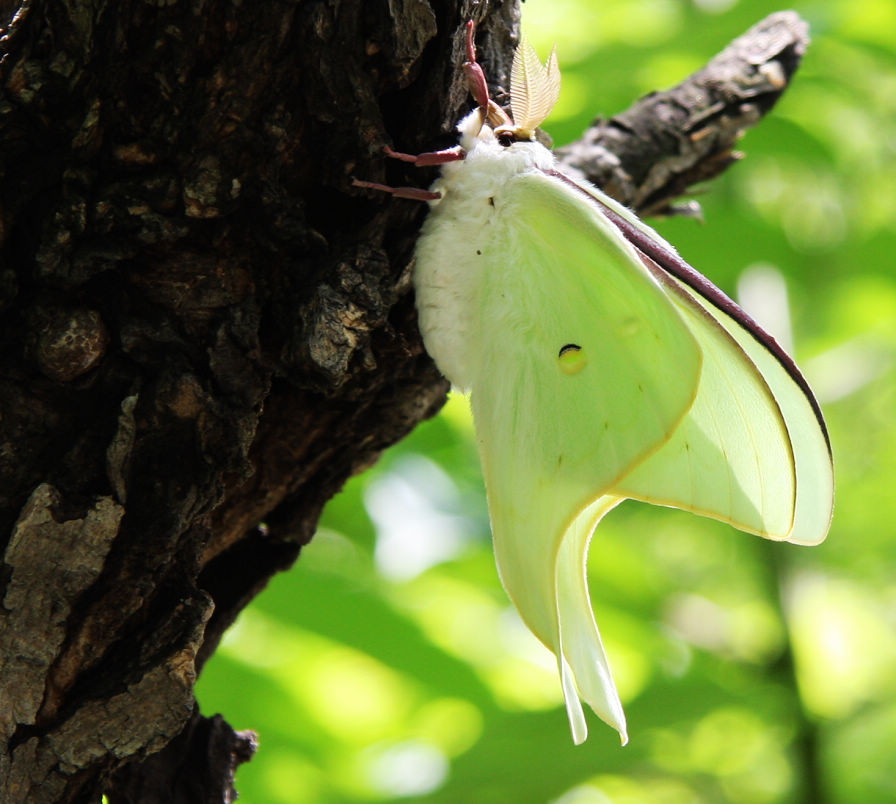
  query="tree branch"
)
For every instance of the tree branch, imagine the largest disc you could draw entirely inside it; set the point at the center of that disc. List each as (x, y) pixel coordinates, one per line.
(649, 155)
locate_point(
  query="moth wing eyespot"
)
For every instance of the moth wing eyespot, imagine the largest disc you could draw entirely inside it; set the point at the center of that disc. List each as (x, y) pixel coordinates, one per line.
(572, 358)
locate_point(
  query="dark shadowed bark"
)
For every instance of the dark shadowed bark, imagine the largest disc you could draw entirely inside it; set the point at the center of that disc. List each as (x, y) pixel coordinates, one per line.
(206, 330)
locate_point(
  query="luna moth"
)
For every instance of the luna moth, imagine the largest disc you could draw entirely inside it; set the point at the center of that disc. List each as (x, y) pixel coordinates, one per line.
(601, 367)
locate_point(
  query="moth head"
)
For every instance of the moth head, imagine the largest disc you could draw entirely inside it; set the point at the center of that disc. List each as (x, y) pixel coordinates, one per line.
(534, 89)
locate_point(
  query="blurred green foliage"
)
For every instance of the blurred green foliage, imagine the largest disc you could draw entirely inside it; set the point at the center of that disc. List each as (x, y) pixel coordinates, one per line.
(389, 664)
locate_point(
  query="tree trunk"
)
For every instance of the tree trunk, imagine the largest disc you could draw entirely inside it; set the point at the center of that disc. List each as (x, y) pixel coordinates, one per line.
(205, 331)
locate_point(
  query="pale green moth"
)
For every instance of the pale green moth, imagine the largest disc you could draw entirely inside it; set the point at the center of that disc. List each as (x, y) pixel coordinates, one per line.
(601, 367)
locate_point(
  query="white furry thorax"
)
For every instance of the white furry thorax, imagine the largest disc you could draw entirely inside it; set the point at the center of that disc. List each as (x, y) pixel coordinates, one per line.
(449, 264)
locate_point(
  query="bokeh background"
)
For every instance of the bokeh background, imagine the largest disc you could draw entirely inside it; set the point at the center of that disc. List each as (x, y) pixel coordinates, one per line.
(389, 665)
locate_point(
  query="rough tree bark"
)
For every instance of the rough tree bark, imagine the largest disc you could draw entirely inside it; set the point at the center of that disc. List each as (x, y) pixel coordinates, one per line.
(206, 328)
